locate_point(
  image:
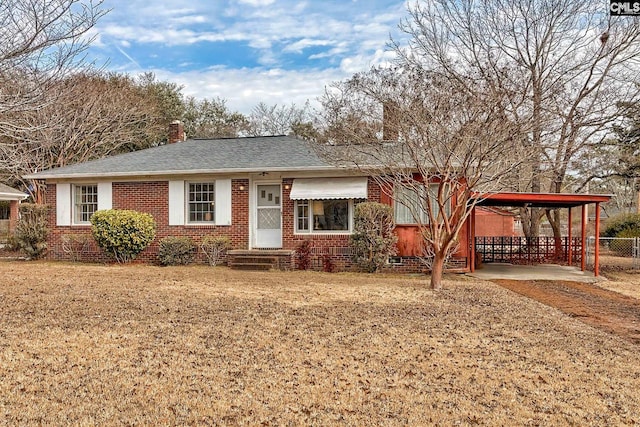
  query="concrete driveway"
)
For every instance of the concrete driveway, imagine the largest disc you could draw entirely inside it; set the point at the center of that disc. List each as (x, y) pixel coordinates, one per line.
(493, 271)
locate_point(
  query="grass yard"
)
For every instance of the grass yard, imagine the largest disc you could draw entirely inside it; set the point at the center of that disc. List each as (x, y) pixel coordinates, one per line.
(624, 282)
(89, 344)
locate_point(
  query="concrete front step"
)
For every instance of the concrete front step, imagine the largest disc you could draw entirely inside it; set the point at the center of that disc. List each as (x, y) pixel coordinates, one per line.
(251, 259)
(251, 266)
(259, 259)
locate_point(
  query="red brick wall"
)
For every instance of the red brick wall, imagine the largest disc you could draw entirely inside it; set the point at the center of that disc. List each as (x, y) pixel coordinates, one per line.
(153, 197)
(55, 246)
(14, 214)
(494, 224)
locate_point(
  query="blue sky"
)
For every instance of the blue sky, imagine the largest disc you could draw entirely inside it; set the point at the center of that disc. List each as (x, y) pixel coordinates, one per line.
(247, 51)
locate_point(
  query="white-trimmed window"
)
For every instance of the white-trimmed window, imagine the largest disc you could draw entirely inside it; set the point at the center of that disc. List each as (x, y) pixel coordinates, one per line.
(85, 203)
(201, 199)
(410, 204)
(324, 216)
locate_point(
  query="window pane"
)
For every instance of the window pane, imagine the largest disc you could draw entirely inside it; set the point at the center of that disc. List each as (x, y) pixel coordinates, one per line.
(269, 218)
(86, 202)
(330, 215)
(409, 204)
(201, 202)
(302, 215)
(268, 195)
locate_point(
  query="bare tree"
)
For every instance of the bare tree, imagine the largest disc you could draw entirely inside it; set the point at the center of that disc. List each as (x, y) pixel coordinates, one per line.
(269, 120)
(445, 145)
(566, 63)
(93, 116)
(40, 42)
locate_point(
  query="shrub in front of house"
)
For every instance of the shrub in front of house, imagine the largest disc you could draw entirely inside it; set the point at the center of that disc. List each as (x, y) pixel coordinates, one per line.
(176, 251)
(373, 241)
(123, 234)
(31, 231)
(215, 248)
(328, 266)
(74, 245)
(303, 255)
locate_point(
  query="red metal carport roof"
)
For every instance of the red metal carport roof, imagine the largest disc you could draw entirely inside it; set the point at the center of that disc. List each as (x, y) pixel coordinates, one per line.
(540, 200)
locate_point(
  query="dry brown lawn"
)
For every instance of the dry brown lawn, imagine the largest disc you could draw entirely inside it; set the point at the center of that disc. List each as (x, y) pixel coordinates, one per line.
(624, 282)
(96, 345)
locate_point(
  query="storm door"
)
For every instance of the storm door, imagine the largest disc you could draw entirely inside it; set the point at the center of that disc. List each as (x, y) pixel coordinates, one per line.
(268, 216)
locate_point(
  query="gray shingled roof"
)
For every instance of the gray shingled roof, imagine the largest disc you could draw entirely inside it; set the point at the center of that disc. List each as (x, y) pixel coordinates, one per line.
(260, 154)
(8, 193)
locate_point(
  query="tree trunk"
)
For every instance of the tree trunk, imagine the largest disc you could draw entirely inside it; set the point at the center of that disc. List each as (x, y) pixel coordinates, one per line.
(553, 215)
(530, 218)
(437, 268)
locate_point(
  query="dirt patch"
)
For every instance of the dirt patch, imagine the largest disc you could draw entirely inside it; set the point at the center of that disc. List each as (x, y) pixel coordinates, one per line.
(605, 309)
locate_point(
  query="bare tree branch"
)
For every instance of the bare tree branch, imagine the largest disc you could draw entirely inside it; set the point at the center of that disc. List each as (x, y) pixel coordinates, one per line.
(448, 143)
(40, 42)
(551, 57)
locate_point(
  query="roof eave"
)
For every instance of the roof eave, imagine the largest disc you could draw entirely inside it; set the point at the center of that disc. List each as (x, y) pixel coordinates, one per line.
(44, 175)
(13, 196)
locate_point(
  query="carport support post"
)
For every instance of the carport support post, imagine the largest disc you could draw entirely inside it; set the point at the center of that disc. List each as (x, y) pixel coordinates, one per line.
(569, 238)
(596, 262)
(583, 260)
(472, 235)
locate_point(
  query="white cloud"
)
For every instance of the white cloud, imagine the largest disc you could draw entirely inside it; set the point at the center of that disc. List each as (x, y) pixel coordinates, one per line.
(256, 3)
(267, 58)
(337, 51)
(245, 88)
(189, 19)
(305, 43)
(347, 37)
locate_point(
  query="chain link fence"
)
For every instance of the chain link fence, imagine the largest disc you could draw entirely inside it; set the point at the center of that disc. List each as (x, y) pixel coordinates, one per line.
(615, 252)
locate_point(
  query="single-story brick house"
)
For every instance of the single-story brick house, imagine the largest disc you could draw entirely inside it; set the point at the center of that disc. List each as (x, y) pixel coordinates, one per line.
(264, 193)
(267, 194)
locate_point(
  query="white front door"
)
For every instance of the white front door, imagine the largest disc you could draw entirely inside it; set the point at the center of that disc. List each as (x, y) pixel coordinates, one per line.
(268, 216)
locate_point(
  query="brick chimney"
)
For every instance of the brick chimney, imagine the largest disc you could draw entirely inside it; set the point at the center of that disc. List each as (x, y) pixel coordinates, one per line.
(176, 132)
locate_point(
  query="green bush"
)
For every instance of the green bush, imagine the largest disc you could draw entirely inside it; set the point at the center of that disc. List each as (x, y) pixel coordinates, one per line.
(623, 227)
(123, 234)
(627, 223)
(31, 231)
(176, 251)
(215, 248)
(373, 240)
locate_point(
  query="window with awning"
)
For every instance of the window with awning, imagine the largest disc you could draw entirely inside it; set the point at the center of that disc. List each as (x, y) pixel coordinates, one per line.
(329, 188)
(325, 205)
